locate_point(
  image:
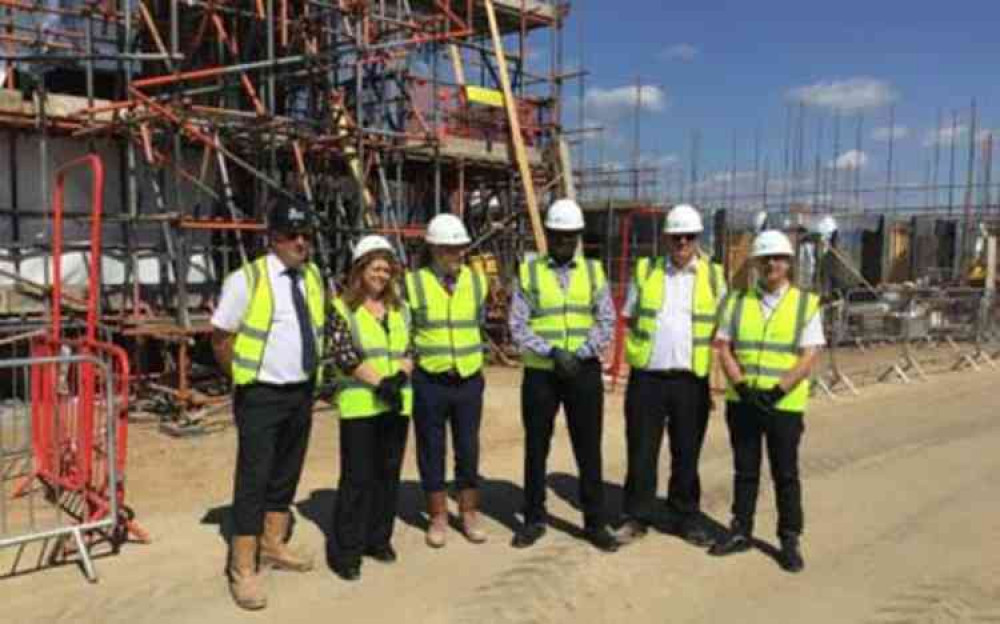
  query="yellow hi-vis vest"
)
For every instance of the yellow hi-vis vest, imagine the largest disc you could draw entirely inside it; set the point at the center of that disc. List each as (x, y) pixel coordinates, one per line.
(251, 339)
(447, 327)
(563, 318)
(642, 325)
(766, 350)
(379, 349)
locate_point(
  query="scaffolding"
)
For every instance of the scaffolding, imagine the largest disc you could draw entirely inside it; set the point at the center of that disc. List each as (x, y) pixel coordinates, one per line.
(375, 114)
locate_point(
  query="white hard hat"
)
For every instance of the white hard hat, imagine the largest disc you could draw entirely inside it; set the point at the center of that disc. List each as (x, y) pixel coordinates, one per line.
(683, 219)
(825, 227)
(370, 243)
(447, 229)
(564, 215)
(771, 243)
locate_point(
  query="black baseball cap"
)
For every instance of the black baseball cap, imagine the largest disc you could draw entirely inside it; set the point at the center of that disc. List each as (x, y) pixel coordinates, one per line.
(288, 216)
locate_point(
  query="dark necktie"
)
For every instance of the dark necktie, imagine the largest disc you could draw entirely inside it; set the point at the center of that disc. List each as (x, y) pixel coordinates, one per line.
(305, 323)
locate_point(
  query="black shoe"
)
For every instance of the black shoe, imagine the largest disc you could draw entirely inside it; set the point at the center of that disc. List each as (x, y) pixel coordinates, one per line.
(790, 558)
(602, 539)
(694, 533)
(348, 571)
(384, 554)
(631, 531)
(730, 544)
(528, 535)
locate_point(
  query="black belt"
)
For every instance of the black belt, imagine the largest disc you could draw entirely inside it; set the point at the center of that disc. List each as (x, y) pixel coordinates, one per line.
(449, 378)
(670, 373)
(295, 385)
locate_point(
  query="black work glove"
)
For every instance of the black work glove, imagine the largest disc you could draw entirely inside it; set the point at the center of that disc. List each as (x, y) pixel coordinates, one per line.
(745, 392)
(399, 380)
(390, 393)
(750, 396)
(567, 364)
(770, 397)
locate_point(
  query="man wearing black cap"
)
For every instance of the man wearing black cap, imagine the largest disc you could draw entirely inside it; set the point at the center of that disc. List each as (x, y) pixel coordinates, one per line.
(268, 332)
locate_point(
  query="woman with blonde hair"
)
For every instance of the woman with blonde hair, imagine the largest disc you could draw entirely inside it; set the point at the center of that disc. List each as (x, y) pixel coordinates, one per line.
(371, 348)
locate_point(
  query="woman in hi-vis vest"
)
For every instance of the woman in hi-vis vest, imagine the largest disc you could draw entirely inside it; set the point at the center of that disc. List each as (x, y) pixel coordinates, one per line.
(768, 338)
(371, 348)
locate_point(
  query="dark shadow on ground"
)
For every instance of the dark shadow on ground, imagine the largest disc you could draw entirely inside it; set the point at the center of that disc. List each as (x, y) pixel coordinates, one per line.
(566, 487)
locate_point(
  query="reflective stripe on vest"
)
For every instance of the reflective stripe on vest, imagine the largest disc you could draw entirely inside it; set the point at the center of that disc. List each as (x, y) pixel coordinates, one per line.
(447, 327)
(251, 338)
(650, 300)
(766, 350)
(381, 351)
(563, 318)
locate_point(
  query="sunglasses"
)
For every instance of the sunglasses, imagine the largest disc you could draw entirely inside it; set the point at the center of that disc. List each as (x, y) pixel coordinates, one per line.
(290, 236)
(683, 237)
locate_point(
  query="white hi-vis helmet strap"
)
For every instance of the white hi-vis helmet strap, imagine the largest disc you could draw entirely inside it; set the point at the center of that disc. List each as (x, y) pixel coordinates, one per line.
(370, 243)
(447, 229)
(564, 215)
(683, 219)
(771, 243)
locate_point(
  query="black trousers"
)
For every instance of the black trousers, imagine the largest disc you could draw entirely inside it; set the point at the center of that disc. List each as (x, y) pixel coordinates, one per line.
(679, 403)
(749, 427)
(582, 399)
(371, 460)
(273, 424)
(438, 403)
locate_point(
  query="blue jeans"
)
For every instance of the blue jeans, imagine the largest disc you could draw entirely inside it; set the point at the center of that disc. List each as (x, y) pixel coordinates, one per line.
(439, 401)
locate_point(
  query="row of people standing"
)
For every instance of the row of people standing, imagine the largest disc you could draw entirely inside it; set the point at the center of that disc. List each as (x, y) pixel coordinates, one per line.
(410, 344)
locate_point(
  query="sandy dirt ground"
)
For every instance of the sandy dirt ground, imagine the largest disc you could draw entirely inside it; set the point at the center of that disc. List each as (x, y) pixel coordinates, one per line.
(902, 512)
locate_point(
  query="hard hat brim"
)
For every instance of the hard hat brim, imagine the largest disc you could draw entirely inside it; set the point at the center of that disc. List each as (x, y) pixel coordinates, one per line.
(688, 230)
(460, 243)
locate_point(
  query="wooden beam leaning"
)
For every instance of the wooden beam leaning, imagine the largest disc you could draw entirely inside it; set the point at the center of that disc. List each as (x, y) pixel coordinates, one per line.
(517, 139)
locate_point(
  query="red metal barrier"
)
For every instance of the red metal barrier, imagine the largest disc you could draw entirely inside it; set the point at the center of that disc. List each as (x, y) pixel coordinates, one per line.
(70, 412)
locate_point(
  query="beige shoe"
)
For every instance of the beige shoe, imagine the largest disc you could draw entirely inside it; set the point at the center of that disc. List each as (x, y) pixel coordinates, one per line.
(274, 552)
(468, 505)
(245, 584)
(437, 510)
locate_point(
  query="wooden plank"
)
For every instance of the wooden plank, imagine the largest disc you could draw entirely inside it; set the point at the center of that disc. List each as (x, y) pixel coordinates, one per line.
(517, 139)
(566, 168)
(456, 64)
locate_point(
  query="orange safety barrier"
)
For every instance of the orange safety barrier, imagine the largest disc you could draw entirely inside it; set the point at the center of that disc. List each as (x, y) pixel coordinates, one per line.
(79, 396)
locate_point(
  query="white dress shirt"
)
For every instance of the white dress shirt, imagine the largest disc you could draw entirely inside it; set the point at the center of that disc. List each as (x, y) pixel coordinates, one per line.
(672, 341)
(812, 333)
(282, 363)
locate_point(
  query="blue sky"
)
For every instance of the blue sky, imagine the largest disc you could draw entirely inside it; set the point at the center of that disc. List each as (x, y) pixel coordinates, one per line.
(735, 66)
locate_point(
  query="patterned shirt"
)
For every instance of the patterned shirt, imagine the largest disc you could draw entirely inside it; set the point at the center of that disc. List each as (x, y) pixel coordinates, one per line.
(598, 337)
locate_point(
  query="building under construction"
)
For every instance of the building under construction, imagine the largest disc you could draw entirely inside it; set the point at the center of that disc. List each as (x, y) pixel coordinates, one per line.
(377, 114)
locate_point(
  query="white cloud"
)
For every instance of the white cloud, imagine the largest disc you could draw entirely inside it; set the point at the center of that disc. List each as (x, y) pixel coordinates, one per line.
(851, 159)
(659, 161)
(683, 52)
(850, 95)
(945, 136)
(620, 102)
(884, 134)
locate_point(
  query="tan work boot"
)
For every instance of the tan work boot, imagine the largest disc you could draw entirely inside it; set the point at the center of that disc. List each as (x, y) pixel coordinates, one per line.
(468, 505)
(437, 510)
(245, 584)
(273, 550)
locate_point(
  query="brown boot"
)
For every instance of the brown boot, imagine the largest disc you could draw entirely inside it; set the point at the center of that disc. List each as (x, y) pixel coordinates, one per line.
(273, 550)
(437, 510)
(468, 505)
(245, 584)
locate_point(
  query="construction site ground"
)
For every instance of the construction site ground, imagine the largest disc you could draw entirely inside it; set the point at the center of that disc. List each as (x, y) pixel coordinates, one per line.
(902, 512)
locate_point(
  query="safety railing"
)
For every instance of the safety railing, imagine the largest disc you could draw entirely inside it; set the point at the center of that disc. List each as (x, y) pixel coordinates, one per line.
(902, 334)
(67, 418)
(62, 452)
